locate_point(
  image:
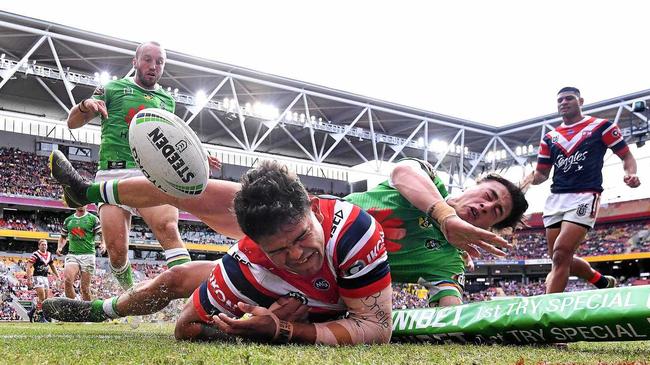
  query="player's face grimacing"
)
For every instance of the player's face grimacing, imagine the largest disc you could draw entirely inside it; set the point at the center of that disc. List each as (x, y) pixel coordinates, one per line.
(485, 204)
(298, 247)
(149, 65)
(568, 104)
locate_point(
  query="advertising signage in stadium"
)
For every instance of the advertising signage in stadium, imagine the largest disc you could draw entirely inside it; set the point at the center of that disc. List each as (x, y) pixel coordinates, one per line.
(620, 314)
(499, 262)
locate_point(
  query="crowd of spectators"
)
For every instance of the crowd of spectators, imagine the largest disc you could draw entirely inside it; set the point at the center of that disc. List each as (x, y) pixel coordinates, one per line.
(103, 285)
(605, 239)
(27, 174)
(405, 296)
(8, 313)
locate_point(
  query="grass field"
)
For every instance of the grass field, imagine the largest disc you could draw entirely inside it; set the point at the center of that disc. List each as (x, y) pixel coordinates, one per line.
(106, 343)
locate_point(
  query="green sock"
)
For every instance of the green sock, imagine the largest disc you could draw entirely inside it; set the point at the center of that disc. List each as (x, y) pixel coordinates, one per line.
(93, 193)
(96, 309)
(103, 192)
(124, 276)
(177, 256)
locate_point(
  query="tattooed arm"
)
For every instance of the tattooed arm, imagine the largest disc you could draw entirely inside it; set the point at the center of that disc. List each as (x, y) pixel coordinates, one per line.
(369, 321)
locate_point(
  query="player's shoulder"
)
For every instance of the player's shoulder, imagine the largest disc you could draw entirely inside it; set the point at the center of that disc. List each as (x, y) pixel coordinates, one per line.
(350, 229)
(419, 163)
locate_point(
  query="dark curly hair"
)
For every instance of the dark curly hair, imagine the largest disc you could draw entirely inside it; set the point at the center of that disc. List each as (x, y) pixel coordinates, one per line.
(519, 202)
(270, 198)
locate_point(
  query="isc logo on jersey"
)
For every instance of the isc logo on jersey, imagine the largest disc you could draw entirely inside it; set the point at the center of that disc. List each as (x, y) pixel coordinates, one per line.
(168, 152)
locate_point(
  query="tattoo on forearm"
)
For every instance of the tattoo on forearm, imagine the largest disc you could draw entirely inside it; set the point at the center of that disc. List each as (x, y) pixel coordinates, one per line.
(377, 314)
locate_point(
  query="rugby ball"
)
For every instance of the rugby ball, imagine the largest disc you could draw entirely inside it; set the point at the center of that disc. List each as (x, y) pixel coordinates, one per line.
(169, 153)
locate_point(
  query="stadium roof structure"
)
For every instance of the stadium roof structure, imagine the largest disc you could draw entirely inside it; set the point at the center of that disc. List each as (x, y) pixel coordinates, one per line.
(51, 67)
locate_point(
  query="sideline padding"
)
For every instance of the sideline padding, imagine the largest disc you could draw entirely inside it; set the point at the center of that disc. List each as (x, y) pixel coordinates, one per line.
(618, 314)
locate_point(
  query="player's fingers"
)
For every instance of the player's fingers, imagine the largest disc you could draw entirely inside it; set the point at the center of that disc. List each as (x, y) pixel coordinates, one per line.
(493, 239)
(220, 321)
(472, 251)
(253, 309)
(490, 248)
(224, 320)
(301, 313)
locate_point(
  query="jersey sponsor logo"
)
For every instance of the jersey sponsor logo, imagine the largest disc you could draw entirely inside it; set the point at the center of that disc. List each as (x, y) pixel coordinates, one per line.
(555, 139)
(240, 259)
(78, 232)
(127, 91)
(374, 253)
(356, 267)
(582, 209)
(432, 244)
(158, 139)
(321, 284)
(112, 165)
(219, 294)
(565, 163)
(337, 219)
(424, 222)
(147, 97)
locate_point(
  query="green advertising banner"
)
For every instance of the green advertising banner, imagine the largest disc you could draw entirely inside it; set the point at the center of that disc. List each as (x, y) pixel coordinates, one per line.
(619, 314)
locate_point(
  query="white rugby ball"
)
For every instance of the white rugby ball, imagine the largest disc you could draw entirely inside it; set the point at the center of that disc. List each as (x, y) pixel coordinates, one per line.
(169, 153)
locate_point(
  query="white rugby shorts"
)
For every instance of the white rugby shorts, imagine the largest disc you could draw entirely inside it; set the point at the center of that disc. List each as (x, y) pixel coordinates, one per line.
(40, 282)
(105, 175)
(579, 208)
(86, 262)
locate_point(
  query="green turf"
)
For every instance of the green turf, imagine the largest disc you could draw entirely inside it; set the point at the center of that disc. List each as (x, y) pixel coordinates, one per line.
(25, 343)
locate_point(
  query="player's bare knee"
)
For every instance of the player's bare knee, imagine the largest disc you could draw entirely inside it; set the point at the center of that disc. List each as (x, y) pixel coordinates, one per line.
(561, 257)
(172, 281)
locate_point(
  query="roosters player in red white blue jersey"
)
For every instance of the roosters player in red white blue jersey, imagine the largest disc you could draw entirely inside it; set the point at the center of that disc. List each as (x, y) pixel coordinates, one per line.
(334, 256)
(303, 263)
(576, 149)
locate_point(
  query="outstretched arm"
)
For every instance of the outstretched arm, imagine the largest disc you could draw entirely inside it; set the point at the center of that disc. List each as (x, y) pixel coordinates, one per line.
(417, 187)
(369, 321)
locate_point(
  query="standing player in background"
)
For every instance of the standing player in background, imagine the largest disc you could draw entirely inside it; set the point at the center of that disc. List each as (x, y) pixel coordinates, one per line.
(117, 103)
(80, 229)
(576, 148)
(41, 261)
(430, 239)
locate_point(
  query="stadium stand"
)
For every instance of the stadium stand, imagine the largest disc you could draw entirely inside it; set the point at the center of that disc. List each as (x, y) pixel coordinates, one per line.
(27, 175)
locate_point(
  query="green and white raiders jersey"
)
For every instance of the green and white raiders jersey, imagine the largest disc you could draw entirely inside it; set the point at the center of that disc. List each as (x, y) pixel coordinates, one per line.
(124, 98)
(423, 252)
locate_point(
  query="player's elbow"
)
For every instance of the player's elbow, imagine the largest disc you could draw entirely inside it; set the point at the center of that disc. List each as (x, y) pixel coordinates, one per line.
(402, 173)
(183, 331)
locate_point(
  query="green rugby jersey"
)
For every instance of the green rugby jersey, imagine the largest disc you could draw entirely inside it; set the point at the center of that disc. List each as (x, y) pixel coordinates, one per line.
(423, 252)
(124, 98)
(81, 232)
